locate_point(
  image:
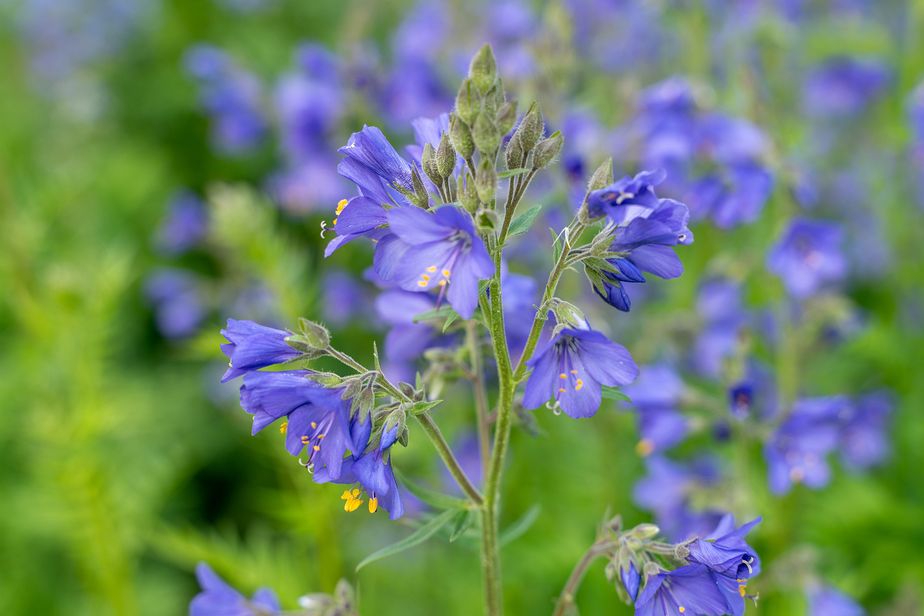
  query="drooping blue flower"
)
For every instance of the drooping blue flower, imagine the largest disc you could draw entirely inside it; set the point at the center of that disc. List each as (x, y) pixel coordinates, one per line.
(406, 339)
(797, 450)
(626, 198)
(691, 589)
(219, 599)
(435, 250)
(829, 601)
(730, 560)
(808, 256)
(316, 418)
(724, 320)
(252, 346)
(231, 96)
(372, 470)
(344, 298)
(179, 305)
(631, 580)
(369, 155)
(864, 441)
(571, 368)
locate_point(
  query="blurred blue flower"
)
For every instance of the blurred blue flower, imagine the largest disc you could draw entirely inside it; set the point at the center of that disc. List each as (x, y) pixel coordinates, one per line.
(667, 489)
(828, 601)
(730, 560)
(844, 86)
(185, 226)
(179, 307)
(864, 439)
(372, 470)
(572, 367)
(219, 599)
(808, 257)
(655, 396)
(252, 346)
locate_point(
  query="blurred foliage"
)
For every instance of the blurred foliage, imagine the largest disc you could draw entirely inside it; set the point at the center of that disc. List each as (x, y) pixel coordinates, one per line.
(123, 463)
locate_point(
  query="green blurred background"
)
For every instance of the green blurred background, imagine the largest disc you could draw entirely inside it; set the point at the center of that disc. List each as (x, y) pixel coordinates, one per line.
(123, 463)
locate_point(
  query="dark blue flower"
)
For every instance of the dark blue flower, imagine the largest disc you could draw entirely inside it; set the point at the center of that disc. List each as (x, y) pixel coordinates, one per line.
(219, 599)
(435, 250)
(808, 256)
(796, 452)
(372, 470)
(572, 367)
(369, 153)
(406, 339)
(252, 346)
(626, 198)
(631, 580)
(844, 86)
(185, 226)
(730, 560)
(316, 418)
(179, 307)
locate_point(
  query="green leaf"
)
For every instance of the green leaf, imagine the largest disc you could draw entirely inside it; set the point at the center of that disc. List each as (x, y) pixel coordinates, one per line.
(414, 539)
(449, 321)
(439, 313)
(422, 406)
(431, 497)
(519, 528)
(509, 173)
(461, 523)
(611, 393)
(524, 221)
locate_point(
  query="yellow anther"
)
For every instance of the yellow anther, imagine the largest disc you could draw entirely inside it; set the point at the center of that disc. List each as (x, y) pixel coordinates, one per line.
(355, 493)
(644, 447)
(340, 205)
(561, 390)
(563, 376)
(421, 283)
(432, 269)
(346, 495)
(446, 273)
(352, 505)
(305, 440)
(742, 590)
(578, 385)
(442, 283)
(314, 425)
(320, 436)
(283, 427)
(574, 372)
(317, 448)
(373, 505)
(682, 609)
(424, 277)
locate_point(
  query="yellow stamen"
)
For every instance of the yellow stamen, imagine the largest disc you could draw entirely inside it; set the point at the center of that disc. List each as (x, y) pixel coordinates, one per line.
(421, 283)
(317, 448)
(682, 609)
(561, 390)
(320, 436)
(574, 372)
(563, 376)
(352, 505)
(346, 495)
(578, 385)
(283, 427)
(373, 505)
(741, 590)
(355, 492)
(340, 205)
(424, 277)
(314, 425)
(305, 440)
(442, 283)
(445, 273)
(432, 269)
(644, 447)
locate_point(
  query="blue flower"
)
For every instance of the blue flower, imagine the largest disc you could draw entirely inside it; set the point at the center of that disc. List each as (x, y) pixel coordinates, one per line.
(373, 472)
(177, 300)
(252, 346)
(796, 452)
(691, 589)
(185, 226)
(724, 320)
(655, 396)
(808, 256)
(571, 368)
(730, 560)
(435, 250)
(864, 440)
(626, 198)
(369, 153)
(844, 86)
(631, 580)
(219, 599)
(316, 418)
(406, 339)
(828, 601)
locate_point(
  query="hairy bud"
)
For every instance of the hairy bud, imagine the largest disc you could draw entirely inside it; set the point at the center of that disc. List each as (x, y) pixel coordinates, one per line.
(429, 164)
(314, 334)
(483, 70)
(468, 196)
(547, 150)
(467, 105)
(487, 137)
(603, 176)
(445, 157)
(530, 130)
(461, 137)
(486, 180)
(514, 155)
(421, 197)
(506, 117)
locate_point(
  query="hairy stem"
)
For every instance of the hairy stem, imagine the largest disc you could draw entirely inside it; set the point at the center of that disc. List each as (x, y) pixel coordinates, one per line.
(429, 426)
(566, 598)
(481, 394)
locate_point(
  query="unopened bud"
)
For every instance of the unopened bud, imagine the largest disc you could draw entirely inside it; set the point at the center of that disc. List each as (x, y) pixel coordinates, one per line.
(486, 180)
(461, 137)
(467, 102)
(429, 164)
(468, 196)
(530, 129)
(645, 531)
(514, 155)
(506, 117)
(483, 70)
(602, 176)
(315, 334)
(487, 137)
(421, 196)
(547, 150)
(445, 157)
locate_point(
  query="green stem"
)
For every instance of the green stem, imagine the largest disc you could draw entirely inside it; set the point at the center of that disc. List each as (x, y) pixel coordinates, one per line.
(481, 394)
(567, 596)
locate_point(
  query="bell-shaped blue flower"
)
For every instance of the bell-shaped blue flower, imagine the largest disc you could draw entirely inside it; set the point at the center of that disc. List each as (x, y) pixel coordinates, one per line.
(252, 346)
(572, 367)
(219, 599)
(808, 256)
(690, 590)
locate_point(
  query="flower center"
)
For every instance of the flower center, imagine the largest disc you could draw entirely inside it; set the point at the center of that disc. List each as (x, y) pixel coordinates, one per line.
(353, 500)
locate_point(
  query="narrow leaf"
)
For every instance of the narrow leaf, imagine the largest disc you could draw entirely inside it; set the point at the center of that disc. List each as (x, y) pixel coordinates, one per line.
(611, 393)
(414, 539)
(524, 221)
(518, 528)
(438, 313)
(461, 523)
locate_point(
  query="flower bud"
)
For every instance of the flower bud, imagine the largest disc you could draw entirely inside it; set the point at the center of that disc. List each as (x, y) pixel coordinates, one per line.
(445, 157)
(530, 129)
(428, 162)
(506, 117)
(486, 180)
(514, 155)
(314, 334)
(468, 196)
(461, 137)
(547, 150)
(467, 105)
(487, 137)
(421, 198)
(603, 176)
(483, 69)
(645, 531)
